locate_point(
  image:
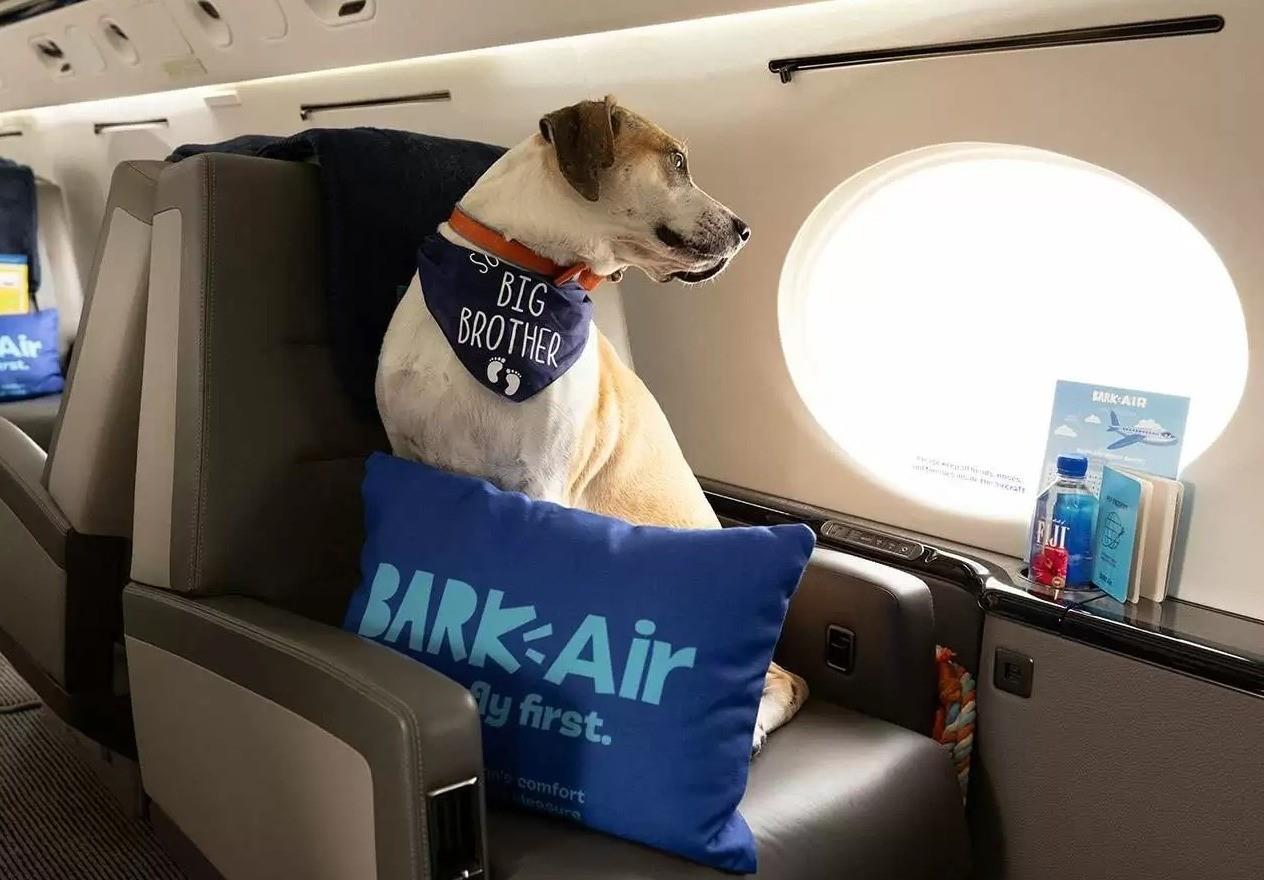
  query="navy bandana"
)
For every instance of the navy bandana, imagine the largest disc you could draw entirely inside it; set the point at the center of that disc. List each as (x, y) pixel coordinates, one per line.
(515, 331)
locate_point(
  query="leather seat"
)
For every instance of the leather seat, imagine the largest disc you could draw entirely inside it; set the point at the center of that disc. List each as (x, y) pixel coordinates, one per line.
(60, 288)
(834, 794)
(66, 516)
(274, 744)
(35, 417)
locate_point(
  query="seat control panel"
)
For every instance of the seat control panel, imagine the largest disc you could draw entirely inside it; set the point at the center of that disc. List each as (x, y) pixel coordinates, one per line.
(866, 539)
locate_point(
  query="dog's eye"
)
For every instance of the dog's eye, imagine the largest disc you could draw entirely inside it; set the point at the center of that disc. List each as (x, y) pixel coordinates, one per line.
(678, 160)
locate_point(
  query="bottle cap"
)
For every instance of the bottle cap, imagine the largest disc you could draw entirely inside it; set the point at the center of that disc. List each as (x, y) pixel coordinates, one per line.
(1072, 465)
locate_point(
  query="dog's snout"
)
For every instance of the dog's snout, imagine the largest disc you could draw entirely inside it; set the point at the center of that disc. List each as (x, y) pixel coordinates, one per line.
(743, 231)
(669, 236)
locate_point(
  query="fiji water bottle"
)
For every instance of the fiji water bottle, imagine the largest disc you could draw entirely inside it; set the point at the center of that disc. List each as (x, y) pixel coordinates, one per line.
(1062, 530)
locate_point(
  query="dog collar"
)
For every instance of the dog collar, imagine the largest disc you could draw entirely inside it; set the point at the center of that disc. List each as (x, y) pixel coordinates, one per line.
(515, 331)
(519, 254)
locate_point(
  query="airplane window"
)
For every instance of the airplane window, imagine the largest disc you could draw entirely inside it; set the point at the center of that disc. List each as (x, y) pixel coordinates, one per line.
(929, 304)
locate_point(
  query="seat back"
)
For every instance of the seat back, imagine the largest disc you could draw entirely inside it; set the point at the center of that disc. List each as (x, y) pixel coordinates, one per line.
(91, 466)
(60, 285)
(250, 455)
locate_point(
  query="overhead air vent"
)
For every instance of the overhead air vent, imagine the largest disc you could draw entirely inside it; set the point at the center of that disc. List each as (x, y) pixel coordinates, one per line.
(118, 41)
(336, 12)
(52, 56)
(212, 23)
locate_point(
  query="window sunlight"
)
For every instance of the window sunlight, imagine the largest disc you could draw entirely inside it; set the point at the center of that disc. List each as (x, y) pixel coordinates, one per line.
(929, 304)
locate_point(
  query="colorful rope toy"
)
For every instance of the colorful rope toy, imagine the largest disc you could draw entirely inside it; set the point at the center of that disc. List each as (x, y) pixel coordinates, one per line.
(954, 719)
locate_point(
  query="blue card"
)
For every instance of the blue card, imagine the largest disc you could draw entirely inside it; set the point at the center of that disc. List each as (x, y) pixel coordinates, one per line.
(1119, 507)
(1138, 430)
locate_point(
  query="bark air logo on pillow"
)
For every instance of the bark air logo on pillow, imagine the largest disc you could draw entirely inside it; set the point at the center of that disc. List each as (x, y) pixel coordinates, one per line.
(617, 669)
(511, 639)
(16, 351)
(30, 364)
(513, 331)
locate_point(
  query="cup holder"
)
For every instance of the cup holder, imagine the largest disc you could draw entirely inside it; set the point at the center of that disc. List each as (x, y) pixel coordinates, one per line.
(1064, 595)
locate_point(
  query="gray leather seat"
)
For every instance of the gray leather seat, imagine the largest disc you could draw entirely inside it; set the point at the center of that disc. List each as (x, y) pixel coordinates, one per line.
(273, 743)
(66, 517)
(834, 794)
(60, 288)
(35, 417)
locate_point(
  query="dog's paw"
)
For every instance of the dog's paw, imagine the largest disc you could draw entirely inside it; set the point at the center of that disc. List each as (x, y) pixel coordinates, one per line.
(512, 380)
(758, 740)
(494, 367)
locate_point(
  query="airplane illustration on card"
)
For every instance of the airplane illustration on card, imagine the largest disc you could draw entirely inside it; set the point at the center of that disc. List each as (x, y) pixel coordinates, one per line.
(1147, 432)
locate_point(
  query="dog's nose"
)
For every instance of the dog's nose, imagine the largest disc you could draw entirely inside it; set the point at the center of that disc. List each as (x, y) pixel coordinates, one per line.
(742, 230)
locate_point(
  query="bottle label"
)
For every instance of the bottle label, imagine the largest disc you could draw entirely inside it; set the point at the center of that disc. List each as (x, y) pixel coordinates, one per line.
(1061, 547)
(1050, 561)
(1051, 533)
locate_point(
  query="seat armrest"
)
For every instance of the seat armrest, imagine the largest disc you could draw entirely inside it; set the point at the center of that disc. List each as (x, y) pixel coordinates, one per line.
(215, 683)
(22, 490)
(891, 618)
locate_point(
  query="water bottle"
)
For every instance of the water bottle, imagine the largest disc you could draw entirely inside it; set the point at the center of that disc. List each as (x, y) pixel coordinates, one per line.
(1061, 554)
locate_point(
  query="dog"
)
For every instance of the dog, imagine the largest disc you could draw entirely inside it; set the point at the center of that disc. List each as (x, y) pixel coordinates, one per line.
(559, 417)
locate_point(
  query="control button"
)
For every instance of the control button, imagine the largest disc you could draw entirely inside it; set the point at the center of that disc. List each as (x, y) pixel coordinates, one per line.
(868, 540)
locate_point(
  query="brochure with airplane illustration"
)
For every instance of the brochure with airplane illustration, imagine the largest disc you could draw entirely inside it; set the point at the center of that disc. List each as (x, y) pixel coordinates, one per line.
(1124, 427)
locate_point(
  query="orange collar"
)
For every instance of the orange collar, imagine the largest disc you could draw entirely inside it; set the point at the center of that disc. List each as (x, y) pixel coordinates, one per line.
(519, 254)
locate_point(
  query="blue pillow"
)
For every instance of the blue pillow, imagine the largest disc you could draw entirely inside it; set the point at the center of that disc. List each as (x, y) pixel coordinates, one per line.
(617, 668)
(30, 363)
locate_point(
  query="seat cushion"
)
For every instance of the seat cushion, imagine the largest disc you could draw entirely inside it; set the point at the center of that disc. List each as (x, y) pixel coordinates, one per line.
(834, 794)
(35, 416)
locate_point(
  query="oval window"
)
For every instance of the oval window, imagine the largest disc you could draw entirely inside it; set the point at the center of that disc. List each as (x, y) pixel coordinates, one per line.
(930, 303)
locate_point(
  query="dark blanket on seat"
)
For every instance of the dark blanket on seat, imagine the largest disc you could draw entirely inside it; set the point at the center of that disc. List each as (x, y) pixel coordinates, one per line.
(384, 191)
(19, 221)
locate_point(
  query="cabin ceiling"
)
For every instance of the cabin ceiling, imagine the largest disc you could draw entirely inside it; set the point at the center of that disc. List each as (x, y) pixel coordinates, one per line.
(97, 49)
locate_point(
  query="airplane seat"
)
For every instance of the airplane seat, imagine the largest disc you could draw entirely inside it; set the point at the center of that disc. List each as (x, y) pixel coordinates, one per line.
(273, 743)
(60, 289)
(66, 516)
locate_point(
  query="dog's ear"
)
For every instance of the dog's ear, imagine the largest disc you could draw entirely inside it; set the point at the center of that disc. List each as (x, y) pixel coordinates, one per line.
(582, 135)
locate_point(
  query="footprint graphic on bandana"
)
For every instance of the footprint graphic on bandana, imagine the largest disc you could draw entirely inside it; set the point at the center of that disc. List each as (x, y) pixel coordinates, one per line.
(494, 367)
(512, 380)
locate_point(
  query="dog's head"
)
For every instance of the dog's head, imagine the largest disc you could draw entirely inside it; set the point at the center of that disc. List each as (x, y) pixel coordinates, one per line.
(637, 193)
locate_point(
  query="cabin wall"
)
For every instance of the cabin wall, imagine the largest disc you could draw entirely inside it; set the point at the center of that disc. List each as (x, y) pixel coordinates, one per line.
(1177, 116)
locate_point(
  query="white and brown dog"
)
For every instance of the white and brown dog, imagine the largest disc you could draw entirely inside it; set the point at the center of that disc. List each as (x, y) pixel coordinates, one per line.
(598, 189)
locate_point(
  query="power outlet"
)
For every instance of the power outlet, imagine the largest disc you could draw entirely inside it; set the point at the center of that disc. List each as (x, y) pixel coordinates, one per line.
(1013, 672)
